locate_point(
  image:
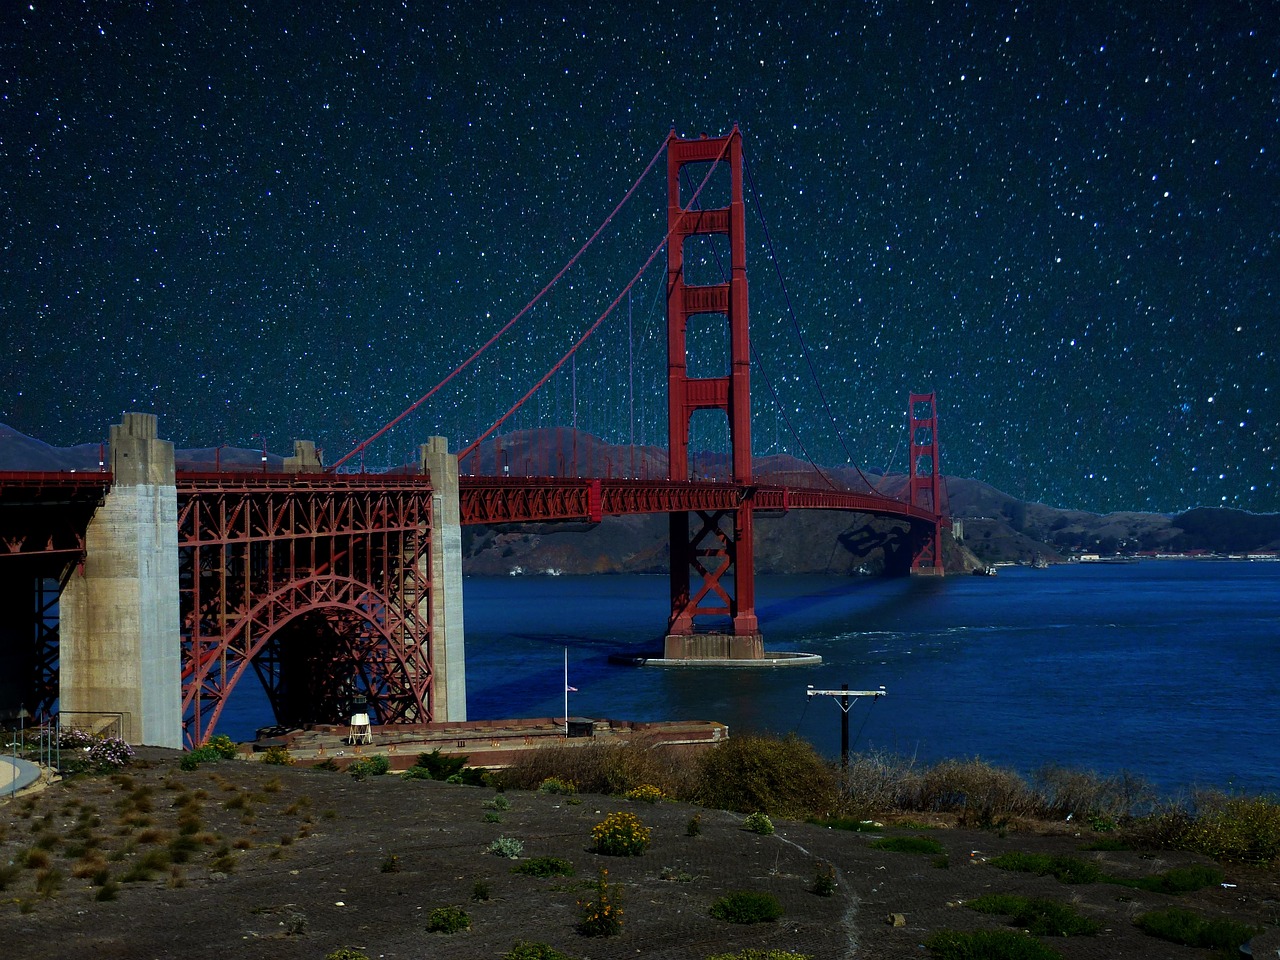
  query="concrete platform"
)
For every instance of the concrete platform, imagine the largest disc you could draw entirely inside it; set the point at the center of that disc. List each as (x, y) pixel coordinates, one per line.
(16, 774)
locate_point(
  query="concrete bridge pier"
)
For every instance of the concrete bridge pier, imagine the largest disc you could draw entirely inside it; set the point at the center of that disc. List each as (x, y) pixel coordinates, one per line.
(448, 650)
(119, 645)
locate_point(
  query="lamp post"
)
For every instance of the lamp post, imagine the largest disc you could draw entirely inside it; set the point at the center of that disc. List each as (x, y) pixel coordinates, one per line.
(847, 698)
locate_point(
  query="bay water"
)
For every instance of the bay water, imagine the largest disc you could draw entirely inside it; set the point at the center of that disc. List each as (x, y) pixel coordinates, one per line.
(1167, 669)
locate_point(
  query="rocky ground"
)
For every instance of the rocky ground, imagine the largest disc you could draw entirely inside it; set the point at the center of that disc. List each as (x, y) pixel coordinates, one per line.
(284, 862)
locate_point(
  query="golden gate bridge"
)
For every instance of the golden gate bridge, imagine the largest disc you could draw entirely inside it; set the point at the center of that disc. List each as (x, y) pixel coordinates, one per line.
(142, 594)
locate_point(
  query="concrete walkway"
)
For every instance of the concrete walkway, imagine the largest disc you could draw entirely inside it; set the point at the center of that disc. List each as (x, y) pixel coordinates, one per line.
(16, 774)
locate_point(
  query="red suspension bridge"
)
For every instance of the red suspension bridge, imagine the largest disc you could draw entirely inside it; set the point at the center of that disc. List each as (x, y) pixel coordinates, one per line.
(141, 595)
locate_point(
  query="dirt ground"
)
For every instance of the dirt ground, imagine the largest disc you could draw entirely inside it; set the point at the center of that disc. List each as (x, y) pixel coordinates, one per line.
(294, 863)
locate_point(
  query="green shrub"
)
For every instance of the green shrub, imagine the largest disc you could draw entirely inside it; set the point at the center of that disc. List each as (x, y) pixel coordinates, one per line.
(752, 954)
(439, 767)
(558, 786)
(824, 881)
(277, 756)
(747, 906)
(192, 759)
(448, 920)
(988, 945)
(758, 823)
(417, 773)
(224, 745)
(908, 845)
(1043, 918)
(346, 953)
(328, 763)
(1176, 880)
(1182, 926)
(645, 793)
(527, 950)
(694, 827)
(508, 847)
(544, 867)
(602, 911)
(782, 777)
(1063, 869)
(500, 802)
(492, 817)
(1243, 829)
(621, 835)
(390, 865)
(481, 890)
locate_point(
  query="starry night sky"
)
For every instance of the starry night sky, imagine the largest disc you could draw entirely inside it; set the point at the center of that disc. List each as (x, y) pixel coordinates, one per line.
(290, 220)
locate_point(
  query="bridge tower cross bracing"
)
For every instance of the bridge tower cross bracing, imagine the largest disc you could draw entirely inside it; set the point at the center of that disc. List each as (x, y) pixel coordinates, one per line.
(924, 482)
(712, 564)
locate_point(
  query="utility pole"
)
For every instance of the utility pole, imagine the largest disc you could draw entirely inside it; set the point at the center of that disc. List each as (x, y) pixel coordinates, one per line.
(847, 698)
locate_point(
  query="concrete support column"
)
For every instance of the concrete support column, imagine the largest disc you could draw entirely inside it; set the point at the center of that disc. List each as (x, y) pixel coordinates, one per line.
(119, 644)
(304, 459)
(448, 650)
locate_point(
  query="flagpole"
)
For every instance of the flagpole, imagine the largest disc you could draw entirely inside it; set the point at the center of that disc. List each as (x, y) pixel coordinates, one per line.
(566, 691)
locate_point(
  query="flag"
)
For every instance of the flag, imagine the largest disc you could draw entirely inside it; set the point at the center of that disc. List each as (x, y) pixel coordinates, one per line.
(569, 689)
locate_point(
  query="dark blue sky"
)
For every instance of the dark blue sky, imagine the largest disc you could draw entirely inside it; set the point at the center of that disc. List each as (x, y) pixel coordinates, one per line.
(293, 219)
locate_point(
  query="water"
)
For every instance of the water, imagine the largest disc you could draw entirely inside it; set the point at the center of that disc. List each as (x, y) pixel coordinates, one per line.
(1167, 669)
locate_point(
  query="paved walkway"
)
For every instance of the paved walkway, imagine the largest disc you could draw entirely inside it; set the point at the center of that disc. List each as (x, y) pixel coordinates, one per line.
(16, 774)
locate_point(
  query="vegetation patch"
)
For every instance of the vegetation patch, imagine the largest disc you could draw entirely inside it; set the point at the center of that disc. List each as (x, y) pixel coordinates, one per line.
(529, 950)
(645, 793)
(783, 777)
(747, 906)
(988, 945)
(1182, 926)
(1064, 869)
(620, 835)
(758, 823)
(1176, 880)
(1043, 918)
(448, 920)
(752, 954)
(854, 824)
(601, 909)
(508, 847)
(908, 845)
(544, 867)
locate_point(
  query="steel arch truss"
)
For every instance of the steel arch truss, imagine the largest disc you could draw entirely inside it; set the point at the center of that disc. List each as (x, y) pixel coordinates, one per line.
(322, 586)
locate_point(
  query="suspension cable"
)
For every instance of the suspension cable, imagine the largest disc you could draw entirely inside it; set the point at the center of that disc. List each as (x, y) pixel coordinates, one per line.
(466, 451)
(360, 447)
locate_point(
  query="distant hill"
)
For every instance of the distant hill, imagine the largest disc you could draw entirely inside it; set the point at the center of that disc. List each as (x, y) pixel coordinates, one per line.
(995, 527)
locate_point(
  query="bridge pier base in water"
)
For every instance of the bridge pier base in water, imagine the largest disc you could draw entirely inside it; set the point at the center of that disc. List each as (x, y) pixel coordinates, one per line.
(714, 646)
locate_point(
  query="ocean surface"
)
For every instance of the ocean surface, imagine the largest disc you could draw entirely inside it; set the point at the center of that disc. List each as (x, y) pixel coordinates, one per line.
(1167, 669)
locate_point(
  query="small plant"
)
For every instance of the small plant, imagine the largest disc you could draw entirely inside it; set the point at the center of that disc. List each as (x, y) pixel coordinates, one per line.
(491, 817)
(747, 906)
(193, 758)
(558, 786)
(988, 945)
(224, 745)
(500, 802)
(645, 793)
(346, 953)
(824, 881)
(544, 867)
(601, 912)
(694, 827)
(527, 950)
(621, 835)
(908, 845)
(390, 865)
(1064, 869)
(758, 823)
(508, 847)
(1042, 918)
(753, 954)
(675, 875)
(448, 920)
(481, 890)
(438, 767)
(1182, 926)
(278, 756)
(107, 891)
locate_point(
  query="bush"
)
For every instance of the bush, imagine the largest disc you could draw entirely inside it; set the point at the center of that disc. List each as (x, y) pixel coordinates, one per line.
(328, 763)
(439, 767)
(278, 757)
(1243, 829)
(783, 777)
(645, 793)
(527, 950)
(346, 953)
(621, 835)
(824, 881)
(606, 768)
(224, 745)
(481, 890)
(544, 867)
(908, 845)
(365, 767)
(602, 912)
(694, 827)
(747, 906)
(557, 786)
(500, 802)
(758, 823)
(1063, 869)
(193, 758)
(448, 920)
(752, 954)
(1182, 926)
(988, 945)
(508, 847)
(1043, 918)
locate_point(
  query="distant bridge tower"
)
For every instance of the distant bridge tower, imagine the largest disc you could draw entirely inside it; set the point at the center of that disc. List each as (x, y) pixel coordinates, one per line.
(925, 482)
(712, 566)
